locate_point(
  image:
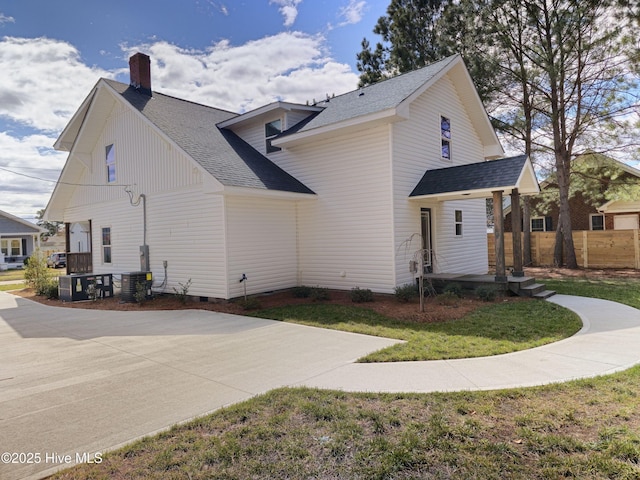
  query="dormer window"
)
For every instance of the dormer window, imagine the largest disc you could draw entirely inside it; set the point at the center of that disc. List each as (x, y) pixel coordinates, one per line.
(445, 136)
(271, 130)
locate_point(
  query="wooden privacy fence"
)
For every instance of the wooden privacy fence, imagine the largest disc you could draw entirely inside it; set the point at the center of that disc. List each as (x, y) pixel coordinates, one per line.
(594, 249)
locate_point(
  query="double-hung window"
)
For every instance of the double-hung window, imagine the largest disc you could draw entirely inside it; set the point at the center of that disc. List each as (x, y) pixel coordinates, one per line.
(458, 222)
(106, 245)
(596, 221)
(445, 137)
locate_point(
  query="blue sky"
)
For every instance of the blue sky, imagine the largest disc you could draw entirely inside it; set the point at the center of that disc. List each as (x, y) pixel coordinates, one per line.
(236, 55)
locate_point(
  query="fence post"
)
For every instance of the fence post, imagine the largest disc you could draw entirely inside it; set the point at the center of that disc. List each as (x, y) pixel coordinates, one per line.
(636, 248)
(585, 249)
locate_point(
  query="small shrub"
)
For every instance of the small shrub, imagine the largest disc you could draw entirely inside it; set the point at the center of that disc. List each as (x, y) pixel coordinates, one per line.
(361, 295)
(448, 299)
(320, 294)
(52, 290)
(407, 292)
(141, 292)
(37, 275)
(486, 293)
(301, 292)
(183, 291)
(249, 303)
(454, 289)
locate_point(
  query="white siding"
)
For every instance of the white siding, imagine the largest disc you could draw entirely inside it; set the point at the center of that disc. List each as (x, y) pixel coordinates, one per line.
(185, 226)
(416, 148)
(345, 234)
(261, 244)
(466, 253)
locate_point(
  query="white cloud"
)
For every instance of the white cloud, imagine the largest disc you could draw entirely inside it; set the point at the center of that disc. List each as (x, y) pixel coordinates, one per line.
(288, 9)
(36, 166)
(5, 19)
(289, 66)
(43, 81)
(352, 13)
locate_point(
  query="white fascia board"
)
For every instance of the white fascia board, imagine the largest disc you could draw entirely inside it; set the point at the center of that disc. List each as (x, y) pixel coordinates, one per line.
(390, 115)
(23, 222)
(286, 106)
(64, 143)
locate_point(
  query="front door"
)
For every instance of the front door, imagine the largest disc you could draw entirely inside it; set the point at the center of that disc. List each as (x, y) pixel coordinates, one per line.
(425, 224)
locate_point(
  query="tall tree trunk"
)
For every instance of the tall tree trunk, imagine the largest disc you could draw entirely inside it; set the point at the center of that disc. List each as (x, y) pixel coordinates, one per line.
(564, 219)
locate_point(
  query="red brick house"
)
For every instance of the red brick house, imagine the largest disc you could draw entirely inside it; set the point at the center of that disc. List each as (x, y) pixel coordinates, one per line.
(587, 214)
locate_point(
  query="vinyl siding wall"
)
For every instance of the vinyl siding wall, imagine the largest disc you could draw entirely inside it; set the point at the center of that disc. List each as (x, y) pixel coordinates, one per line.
(416, 148)
(185, 226)
(345, 234)
(261, 244)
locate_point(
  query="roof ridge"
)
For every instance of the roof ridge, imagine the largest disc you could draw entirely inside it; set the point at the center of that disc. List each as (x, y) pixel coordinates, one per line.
(110, 80)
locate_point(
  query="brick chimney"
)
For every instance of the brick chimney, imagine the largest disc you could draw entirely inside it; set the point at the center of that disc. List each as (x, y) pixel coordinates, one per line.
(140, 73)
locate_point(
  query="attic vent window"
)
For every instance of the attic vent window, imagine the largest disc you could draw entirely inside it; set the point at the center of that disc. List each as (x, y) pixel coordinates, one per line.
(271, 130)
(445, 134)
(110, 156)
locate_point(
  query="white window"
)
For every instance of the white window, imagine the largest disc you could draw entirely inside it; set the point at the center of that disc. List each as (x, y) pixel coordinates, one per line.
(458, 221)
(110, 156)
(445, 137)
(11, 247)
(541, 224)
(596, 221)
(106, 245)
(271, 130)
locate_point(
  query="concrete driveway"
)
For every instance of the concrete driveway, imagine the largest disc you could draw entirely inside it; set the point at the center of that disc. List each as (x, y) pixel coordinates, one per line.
(75, 383)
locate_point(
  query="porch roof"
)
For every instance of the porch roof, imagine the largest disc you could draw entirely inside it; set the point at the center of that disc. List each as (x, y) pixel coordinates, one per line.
(477, 180)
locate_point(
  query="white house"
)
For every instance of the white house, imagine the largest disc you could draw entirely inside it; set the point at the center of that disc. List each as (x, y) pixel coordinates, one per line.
(18, 239)
(337, 194)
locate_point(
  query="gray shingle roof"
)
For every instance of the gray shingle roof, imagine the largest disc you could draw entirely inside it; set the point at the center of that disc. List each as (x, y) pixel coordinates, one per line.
(373, 98)
(474, 176)
(232, 161)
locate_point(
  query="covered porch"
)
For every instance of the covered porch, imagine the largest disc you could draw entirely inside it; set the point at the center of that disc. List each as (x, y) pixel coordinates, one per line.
(513, 176)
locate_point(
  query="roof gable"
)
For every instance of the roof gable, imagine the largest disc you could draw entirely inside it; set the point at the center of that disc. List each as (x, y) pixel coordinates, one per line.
(389, 101)
(10, 224)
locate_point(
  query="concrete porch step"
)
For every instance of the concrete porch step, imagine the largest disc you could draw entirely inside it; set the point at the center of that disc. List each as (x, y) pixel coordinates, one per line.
(544, 294)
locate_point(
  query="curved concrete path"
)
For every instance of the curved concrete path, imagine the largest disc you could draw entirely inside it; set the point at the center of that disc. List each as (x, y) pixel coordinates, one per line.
(608, 342)
(74, 382)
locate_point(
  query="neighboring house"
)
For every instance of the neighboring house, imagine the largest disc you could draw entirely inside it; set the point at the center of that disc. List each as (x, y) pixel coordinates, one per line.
(18, 239)
(335, 194)
(620, 214)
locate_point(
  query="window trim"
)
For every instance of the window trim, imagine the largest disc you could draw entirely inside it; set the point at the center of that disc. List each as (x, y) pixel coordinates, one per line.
(591, 217)
(458, 229)
(544, 223)
(106, 246)
(444, 139)
(110, 163)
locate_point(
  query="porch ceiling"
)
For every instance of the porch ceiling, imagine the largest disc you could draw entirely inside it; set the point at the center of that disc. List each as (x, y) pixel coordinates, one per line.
(477, 180)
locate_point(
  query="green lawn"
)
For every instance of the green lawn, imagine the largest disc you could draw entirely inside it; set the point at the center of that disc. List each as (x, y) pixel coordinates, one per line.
(491, 330)
(587, 429)
(13, 274)
(621, 291)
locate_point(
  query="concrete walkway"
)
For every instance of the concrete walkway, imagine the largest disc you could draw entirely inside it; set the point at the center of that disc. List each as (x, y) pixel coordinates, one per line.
(75, 383)
(608, 342)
